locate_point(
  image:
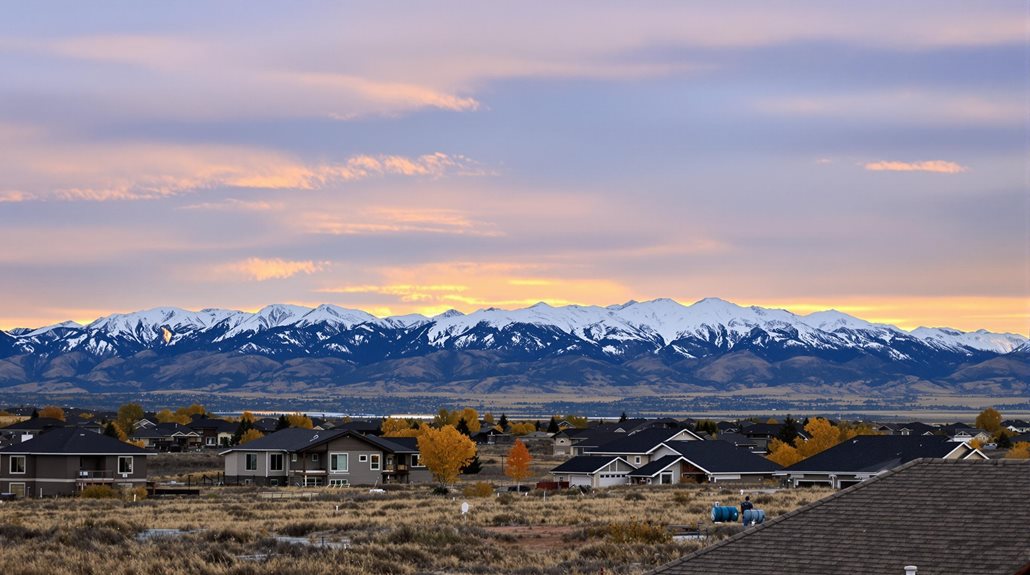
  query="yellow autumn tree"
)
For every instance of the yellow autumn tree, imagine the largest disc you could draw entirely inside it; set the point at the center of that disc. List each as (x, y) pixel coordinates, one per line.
(522, 428)
(989, 420)
(783, 453)
(822, 435)
(1020, 450)
(517, 465)
(52, 412)
(300, 420)
(471, 417)
(250, 435)
(168, 416)
(396, 427)
(445, 451)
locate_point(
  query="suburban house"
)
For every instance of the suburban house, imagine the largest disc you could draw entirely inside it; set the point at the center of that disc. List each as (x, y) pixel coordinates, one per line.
(762, 433)
(703, 462)
(577, 441)
(640, 448)
(593, 471)
(169, 436)
(63, 461)
(903, 521)
(314, 457)
(1016, 425)
(911, 428)
(213, 432)
(866, 456)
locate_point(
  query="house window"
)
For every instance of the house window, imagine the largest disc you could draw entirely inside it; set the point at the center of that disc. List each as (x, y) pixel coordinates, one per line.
(373, 462)
(636, 459)
(17, 464)
(362, 458)
(251, 464)
(339, 463)
(293, 457)
(125, 464)
(414, 461)
(210, 440)
(275, 462)
(314, 458)
(338, 483)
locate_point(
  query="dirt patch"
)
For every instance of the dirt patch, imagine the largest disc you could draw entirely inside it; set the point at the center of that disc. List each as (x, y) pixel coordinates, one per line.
(535, 537)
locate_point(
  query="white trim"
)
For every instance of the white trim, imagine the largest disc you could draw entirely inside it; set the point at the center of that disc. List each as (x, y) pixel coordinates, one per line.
(24, 488)
(375, 462)
(346, 459)
(24, 465)
(132, 464)
(282, 462)
(246, 461)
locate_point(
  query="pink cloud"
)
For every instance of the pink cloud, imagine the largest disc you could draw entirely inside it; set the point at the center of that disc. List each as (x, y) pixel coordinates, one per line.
(935, 166)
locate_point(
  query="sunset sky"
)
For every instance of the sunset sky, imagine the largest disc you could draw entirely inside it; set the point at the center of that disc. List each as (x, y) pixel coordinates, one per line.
(414, 157)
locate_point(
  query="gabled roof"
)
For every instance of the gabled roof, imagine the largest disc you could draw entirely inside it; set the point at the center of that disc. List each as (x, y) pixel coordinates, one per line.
(162, 430)
(883, 524)
(587, 463)
(73, 441)
(372, 427)
(297, 439)
(657, 466)
(737, 439)
(219, 425)
(722, 457)
(644, 441)
(35, 424)
(875, 453)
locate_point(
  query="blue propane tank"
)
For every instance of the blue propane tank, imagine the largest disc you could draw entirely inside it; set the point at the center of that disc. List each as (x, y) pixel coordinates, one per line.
(753, 517)
(721, 513)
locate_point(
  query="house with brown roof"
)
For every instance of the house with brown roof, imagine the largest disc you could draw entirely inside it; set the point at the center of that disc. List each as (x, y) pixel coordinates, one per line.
(918, 516)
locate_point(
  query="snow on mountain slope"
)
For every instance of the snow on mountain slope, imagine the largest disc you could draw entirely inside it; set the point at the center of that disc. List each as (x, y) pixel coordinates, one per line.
(953, 339)
(147, 325)
(335, 315)
(270, 316)
(39, 331)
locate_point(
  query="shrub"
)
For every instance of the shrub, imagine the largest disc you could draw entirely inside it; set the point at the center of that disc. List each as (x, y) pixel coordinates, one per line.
(478, 489)
(638, 532)
(682, 497)
(505, 498)
(440, 490)
(98, 492)
(635, 496)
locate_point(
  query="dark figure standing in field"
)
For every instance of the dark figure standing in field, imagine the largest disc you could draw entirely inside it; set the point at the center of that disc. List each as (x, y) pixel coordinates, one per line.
(745, 505)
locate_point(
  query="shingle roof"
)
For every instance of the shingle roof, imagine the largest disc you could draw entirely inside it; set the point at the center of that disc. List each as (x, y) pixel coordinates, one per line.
(219, 425)
(876, 453)
(584, 464)
(903, 517)
(162, 430)
(74, 440)
(722, 457)
(34, 424)
(393, 444)
(640, 442)
(657, 466)
(296, 439)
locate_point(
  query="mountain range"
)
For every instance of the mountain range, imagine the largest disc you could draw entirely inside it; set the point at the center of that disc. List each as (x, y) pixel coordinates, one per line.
(635, 348)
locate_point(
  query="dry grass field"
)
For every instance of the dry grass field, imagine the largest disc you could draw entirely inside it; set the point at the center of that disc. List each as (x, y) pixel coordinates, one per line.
(407, 530)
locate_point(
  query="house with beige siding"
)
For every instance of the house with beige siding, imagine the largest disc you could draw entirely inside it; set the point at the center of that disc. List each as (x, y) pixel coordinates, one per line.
(334, 458)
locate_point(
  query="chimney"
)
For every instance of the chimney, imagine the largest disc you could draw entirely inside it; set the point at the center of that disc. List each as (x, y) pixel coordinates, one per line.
(911, 570)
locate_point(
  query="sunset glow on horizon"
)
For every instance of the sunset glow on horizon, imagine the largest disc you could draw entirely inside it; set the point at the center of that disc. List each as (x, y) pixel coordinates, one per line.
(805, 155)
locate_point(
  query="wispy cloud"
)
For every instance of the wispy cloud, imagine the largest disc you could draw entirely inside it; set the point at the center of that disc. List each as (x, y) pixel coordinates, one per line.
(935, 166)
(259, 269)
(234, 205)
(386, 220)
(14, 196)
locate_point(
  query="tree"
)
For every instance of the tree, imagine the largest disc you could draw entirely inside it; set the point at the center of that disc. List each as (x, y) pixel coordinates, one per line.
(989, 420)
(111, 430)
(488, 418)
(789, 432)
(463, 428)
(623, 417)
(168, 416)
(35, 413)
(473, 467)
(1004, 440)
(393, 427)
(241, 430)
(1021, 450)
(503, 422)
(300, 420)
(445, 452)
(248, 416)
(471, 417)
(707, 426)
(282, 423)
(128, 415)
(783, 453)
(522, 428)
(822, 435)
(577, 421)
(53, 412)
(552, 426)
(250, 435)
(517, 466)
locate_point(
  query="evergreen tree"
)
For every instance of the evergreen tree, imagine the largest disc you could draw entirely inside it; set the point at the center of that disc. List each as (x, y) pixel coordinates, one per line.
(463, 428)
(538, 424)
(282, 423)
(1004, 441)
(552, 427)
(623, 418)
(473, 467)
(244, 426)
(35, 414)
(503, 422)
(789, 432)
(110, 431)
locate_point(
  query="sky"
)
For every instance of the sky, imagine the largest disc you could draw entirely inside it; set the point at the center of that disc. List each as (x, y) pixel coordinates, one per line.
(405, 157)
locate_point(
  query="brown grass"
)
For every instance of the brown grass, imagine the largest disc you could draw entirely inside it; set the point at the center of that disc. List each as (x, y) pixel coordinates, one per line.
(404, 531)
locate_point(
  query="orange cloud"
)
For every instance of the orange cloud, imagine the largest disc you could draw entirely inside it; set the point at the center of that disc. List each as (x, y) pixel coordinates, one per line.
(935, 166)
(259, 269)
(385, 220)
(14, 197)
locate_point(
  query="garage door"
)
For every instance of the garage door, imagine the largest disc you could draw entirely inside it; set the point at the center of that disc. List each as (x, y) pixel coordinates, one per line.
(610, 479)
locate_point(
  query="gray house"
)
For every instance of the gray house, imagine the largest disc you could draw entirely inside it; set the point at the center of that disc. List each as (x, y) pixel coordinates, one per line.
(63, 461)
(335, 457)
